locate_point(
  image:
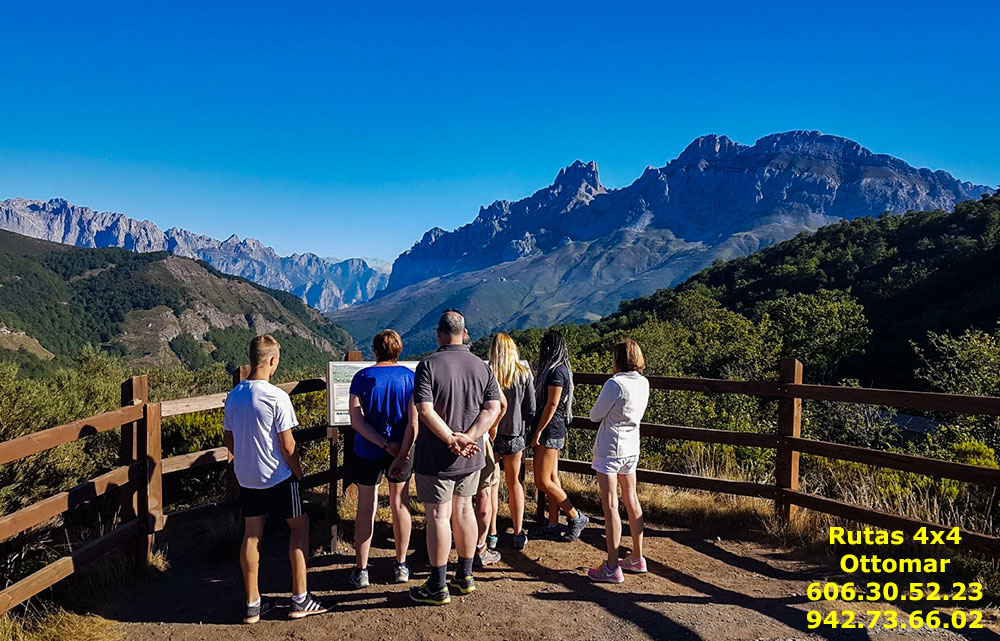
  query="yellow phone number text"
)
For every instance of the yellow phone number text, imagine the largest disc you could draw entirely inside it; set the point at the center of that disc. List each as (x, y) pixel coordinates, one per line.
(889, 619)
(893, 592)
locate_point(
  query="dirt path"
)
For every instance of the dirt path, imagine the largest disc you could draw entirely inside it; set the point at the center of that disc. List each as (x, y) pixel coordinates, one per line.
(697, 588)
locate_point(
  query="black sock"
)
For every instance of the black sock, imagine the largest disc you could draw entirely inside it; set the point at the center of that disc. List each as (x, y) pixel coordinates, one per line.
(438, 578)
(464, 567)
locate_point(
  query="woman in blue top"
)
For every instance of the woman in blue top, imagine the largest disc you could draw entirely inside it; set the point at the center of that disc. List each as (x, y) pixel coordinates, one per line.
(383, 415)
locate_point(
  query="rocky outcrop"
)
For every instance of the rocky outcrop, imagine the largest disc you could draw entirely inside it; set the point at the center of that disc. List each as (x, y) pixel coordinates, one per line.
(503, 231)
(319, 282)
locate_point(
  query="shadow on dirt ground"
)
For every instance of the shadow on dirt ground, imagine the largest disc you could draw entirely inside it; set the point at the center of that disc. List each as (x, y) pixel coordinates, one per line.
(699, 587)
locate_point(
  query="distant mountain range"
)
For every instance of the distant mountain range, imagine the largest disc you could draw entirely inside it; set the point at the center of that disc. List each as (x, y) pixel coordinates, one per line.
(152, 308)
(322, 284)
(569, 252)
(572, 251)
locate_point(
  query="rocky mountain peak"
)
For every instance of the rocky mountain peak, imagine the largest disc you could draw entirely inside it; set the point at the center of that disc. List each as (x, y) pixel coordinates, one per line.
(708, 147)
(578, 175)
(814, 143)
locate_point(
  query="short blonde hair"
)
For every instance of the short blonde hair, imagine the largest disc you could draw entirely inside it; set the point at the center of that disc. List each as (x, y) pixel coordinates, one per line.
(627, 356)
(263, 348)
(387, 345)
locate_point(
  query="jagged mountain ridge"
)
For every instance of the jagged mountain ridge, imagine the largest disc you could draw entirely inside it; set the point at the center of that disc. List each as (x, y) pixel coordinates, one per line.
(572, 251)
(320, 283)
(790, 177)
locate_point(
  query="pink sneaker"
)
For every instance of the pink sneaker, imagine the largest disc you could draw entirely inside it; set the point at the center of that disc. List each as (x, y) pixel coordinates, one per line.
(604, 574)
(637, 566)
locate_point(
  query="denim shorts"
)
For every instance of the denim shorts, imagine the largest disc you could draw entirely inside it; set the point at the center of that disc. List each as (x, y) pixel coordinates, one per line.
(554, 443)
(508, 445)
(553, 439)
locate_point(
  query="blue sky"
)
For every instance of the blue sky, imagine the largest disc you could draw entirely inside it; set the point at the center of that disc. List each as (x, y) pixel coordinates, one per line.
(349, 130)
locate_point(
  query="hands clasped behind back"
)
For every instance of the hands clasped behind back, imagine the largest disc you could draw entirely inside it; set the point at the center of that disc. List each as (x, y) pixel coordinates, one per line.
(462, 445)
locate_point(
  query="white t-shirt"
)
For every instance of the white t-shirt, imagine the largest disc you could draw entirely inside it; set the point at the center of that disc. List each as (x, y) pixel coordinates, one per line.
(256, 412)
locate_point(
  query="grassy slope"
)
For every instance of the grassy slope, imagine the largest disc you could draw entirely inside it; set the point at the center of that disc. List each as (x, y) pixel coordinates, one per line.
(66, 298)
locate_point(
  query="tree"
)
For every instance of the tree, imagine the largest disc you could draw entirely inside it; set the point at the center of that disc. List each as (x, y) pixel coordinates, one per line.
(819, 329)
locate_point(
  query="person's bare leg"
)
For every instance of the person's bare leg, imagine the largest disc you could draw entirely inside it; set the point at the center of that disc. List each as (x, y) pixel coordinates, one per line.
(439, 532)
(494, 507)
(253, 530)
(636, 522)
(463, 522)
(399, 503)
(298, 550)
(612, 520)
(555, 488)
(515, 490)
(540, 475)
(364, 524)
(482, 508)
(558, 499)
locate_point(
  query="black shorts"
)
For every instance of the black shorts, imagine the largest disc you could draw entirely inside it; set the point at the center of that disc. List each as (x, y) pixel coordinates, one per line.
(282, 501)
(369, 471)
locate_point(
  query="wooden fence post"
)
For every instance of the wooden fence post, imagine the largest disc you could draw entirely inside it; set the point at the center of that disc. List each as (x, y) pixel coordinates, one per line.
(135, 391)
(540, 501)
(349, 436)
(786, 466)
(333, 497)
(232, 485)
(150, 451)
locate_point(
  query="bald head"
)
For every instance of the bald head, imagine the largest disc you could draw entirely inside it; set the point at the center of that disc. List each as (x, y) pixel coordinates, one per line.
(451, 328)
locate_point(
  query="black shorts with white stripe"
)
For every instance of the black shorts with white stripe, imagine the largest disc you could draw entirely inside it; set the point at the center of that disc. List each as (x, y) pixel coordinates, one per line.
(282, 501)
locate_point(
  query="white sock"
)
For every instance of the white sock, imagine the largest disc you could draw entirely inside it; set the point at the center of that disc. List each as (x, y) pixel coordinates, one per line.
(299, 598)
(254, 604)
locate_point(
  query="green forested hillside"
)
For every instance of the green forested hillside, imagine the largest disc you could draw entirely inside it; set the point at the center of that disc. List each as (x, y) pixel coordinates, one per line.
(153, 309)
(912, 274)
(846, 301)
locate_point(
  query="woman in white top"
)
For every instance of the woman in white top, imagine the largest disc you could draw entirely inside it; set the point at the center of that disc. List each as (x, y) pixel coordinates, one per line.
(619, 408)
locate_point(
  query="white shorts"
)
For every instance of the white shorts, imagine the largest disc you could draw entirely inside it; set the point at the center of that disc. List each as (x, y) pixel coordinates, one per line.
(611, 466)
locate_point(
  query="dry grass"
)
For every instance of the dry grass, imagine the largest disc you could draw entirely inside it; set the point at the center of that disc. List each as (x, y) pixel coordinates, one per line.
(58, 625)
(684, 508)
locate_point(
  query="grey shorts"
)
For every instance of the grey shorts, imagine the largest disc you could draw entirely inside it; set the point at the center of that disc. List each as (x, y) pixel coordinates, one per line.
(432, 489)
(507, 445)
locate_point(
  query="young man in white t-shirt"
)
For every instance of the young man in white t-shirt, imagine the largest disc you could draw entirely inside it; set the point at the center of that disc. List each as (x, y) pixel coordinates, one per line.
(258, 432)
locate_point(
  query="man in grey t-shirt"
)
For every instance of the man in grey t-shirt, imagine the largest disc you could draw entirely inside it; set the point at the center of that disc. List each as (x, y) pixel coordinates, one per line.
(457, 399)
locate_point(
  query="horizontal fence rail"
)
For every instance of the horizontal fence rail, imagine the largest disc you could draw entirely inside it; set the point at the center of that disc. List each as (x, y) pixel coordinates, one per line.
(29, 444)
(138, 480)
(900, 462)
(899, 399)
(45, 510)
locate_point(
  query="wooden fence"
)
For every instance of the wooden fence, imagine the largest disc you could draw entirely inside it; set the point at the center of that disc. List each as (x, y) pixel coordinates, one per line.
(139, 478)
